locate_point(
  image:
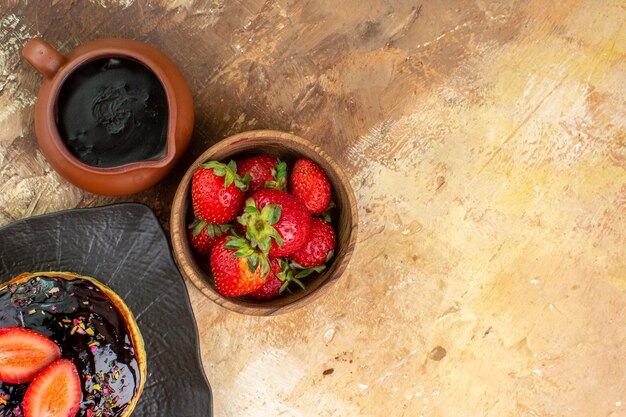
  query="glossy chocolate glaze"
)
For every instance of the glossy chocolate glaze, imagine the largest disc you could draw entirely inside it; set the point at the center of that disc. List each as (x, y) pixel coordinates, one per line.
(112, 112)
(90, 331)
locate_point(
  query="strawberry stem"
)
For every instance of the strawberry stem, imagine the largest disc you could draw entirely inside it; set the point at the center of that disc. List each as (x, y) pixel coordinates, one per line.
(293, 272)
(229, 172)
(197, 226)
(280, 177)
(212, 229)
(326, 214)
(243, 249)
(259, 225)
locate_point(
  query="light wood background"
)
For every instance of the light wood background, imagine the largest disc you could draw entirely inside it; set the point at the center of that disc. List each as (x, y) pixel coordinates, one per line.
(485, 140)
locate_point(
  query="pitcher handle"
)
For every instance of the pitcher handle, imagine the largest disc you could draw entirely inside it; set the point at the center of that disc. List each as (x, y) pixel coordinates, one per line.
(43, 57)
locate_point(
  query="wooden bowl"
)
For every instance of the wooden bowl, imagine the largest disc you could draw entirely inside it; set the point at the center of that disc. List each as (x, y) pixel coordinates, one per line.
(288, 148)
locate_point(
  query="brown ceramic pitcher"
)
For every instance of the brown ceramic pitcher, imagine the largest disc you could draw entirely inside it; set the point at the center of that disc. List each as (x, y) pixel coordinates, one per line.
(123, 179)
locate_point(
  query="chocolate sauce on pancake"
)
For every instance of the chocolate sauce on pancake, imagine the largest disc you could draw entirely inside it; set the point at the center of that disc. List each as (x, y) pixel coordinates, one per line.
(112, 112)
(91, 333)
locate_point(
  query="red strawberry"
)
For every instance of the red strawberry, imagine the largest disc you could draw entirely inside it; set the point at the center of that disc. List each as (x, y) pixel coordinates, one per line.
(275, 222)
(319, 247)
(217, 192)
(204, 236)
(271, 286)
(309, 184)
(237, 268)
(265, 172)
(24, 353)
(281, 275)
(55, 392)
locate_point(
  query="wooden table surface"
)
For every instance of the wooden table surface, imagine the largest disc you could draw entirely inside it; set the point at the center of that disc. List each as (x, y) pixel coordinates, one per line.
(485, 141)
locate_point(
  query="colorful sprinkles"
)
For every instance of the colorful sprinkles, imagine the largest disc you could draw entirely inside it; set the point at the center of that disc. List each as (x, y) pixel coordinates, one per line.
(41, 299)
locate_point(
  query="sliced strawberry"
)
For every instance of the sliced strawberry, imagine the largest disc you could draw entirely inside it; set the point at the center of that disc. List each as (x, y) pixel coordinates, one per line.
(24, 353)
(55, 392)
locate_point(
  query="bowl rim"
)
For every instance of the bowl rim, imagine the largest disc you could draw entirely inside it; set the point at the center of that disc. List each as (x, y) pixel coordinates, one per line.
(180, 243)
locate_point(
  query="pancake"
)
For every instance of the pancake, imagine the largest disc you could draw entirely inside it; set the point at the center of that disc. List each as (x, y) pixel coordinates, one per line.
(94, 329)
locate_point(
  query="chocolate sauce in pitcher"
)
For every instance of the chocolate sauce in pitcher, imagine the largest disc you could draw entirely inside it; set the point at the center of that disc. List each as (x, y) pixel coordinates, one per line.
(113, 111)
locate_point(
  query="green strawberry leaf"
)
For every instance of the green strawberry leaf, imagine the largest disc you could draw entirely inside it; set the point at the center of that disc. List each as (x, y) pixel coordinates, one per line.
(213, 164)
(330, 255)
(214, 230)
(253, 263)
(229, 178)
(295, 265)
(265, 265)
(232, 245)
(326, 214)
(281, 170)
(264, 243)
(277, 237)
(259, 225)
(253, 242)
(235, 242)
(198, 225)
(308, 271)
(229, 172)
(220, 172)
(243, 252)
(280, 177)
(287, 277)
(300, 284)
(271, 213)
(283, 287)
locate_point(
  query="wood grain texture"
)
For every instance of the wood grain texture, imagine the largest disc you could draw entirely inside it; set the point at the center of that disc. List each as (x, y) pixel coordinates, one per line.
(485, 143)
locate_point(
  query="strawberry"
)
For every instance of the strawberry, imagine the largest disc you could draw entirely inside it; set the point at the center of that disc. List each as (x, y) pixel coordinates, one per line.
(55, 392)
(204, 236)
(237, 268)
(309, 184)
(281, 275)
(24, 353)
(319, 247)
(217, 192)
(271, 286)
(265, 172)
(275, 222)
